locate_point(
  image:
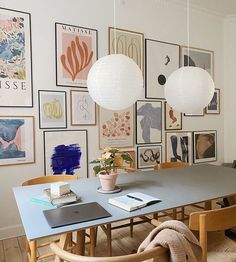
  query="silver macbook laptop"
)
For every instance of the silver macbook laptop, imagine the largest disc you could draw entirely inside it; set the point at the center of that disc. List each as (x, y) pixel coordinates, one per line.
(74, 214)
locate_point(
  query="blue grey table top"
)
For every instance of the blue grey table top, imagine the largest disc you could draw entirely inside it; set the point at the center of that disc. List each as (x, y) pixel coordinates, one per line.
(175, 187)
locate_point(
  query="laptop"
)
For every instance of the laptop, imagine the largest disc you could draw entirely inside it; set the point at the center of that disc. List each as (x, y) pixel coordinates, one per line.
(75, 214)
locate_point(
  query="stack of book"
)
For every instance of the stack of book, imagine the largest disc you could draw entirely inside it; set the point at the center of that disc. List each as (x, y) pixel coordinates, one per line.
(48, 199)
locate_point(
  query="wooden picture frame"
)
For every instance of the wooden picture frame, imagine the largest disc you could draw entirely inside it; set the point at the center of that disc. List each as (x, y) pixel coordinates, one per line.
(148, 122)
(83, 108)
(66, 152)
(52, 109)
(198, 57)
(17, 140)
(116, 128)
(149, 156)
(16, 79)
(179, 147)
(161, 59)
(127, 42)
(132, 155)
(214, 105)
(76, 51)
(200, 113)
(173, 119)
(205, 146)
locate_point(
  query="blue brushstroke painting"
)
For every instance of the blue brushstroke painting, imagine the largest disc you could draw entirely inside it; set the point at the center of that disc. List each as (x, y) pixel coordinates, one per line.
(8, 130)
(65, 159)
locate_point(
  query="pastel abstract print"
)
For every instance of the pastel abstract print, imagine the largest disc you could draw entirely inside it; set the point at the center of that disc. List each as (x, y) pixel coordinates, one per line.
(11, 139)
(15, 59)
(116, 128)
(12, 47)
(149, 122)
(65, 159)
(76, 52)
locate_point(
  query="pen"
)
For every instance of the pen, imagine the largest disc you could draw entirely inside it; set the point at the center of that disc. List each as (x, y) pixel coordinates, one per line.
(136, 198)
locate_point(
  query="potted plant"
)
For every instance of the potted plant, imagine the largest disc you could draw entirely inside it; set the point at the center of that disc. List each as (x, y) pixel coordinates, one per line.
(110, 160)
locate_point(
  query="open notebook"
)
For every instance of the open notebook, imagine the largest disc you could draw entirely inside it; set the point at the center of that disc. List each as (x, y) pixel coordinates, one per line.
(133, 201)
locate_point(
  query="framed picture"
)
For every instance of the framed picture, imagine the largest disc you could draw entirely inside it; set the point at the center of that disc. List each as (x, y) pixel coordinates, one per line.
(214, 106)
(205, 143)
(15, 59)
(127, 42)
(17, 140)
(76, 51)
(148, 122)
(179, 147)
(173, 119)
(149, 156)
(132, 155)
(198, 57)
(66, 152)
(161, 59)
(52, 109)
(116, 128)
(200, 113)
(83, 108)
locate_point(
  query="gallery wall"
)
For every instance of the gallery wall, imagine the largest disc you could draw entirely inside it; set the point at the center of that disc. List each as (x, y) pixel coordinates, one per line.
(157, 19)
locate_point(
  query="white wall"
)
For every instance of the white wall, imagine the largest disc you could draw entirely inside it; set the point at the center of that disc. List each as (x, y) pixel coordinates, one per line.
(157, 19)
(230, 88)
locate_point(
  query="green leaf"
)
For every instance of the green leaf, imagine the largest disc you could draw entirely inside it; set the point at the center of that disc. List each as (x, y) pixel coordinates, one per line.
(97, 169)
(109, 161)
(95, 162)
(114, 151)
(127, 158)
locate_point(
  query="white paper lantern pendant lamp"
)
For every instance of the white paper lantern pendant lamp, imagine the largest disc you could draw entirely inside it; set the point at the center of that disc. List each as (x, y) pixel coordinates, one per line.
(115, 81)
(189, 89)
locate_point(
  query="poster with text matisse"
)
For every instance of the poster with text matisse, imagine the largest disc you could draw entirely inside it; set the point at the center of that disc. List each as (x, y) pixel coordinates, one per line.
(65, 152)
(116, 128)
(15, 59)
(76, 51)
(16, 140)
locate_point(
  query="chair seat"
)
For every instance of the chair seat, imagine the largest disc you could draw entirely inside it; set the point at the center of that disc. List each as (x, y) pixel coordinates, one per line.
(220, 248)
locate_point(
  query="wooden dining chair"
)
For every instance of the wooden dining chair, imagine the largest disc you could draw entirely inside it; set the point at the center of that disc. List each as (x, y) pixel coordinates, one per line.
(166, 165)
(215, 245)
(150, 255)
(32, 246)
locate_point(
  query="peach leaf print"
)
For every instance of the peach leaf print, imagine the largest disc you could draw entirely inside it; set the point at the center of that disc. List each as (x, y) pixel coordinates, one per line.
(77, 57)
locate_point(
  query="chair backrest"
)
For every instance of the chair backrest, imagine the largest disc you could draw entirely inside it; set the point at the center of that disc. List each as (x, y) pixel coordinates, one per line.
(211, 220)
(49, 179)
(170, 165)
(152, 254)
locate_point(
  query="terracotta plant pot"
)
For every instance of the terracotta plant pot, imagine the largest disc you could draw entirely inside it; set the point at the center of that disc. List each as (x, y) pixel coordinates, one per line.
(108, 182)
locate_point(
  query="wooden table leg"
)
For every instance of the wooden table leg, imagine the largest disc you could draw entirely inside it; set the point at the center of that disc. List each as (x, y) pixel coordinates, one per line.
(80, 239)
(109, 246)
(63, 243)
(93, 237)
(32, 246)
(208, 205)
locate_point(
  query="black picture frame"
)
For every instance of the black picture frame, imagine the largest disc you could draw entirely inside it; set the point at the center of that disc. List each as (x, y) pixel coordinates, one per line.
(149, 158)
(75, 52)
(52, 110)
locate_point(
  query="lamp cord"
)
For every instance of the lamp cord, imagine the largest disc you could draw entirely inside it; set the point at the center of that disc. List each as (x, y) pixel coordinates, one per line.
(188, 29)
(114, 24)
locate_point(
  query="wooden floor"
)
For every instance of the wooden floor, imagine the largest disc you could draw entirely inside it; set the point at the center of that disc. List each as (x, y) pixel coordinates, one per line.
(13, 250)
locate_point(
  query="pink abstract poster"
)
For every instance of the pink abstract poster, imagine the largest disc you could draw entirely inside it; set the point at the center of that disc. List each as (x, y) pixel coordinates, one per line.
(76, 52)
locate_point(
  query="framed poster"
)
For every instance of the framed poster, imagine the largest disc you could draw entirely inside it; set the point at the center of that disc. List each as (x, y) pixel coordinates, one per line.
(17, 140)
(205, 143)
(52, 109)
(161, 59)
(116, 128)
(83, 108)
(149, 156)
(66, 152)
(214, 105)
(198, 57)
(132, 155)
(173, 119)
(15, 59)
(179, 147)
(148, 122)
(127, 42)
(76, 51)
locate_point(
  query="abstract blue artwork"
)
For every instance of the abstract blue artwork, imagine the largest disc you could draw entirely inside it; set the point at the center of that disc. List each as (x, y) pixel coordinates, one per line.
(65, 152)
